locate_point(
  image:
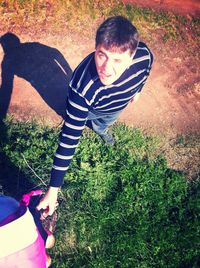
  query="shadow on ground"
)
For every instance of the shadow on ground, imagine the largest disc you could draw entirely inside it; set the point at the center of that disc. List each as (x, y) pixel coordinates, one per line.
(44, 67)
(13, 182)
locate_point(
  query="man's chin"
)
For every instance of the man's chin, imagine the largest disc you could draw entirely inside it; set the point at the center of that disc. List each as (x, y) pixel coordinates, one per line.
(106, 81)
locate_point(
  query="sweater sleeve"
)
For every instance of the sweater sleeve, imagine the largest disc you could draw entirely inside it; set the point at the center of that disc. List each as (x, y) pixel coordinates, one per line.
(76, 116)
(146, 65)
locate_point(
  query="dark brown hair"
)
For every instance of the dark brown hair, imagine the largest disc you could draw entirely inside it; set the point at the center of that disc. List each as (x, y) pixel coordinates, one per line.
(117, 34)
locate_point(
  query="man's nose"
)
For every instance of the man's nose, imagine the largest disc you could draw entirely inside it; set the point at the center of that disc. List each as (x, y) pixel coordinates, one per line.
(107, 66)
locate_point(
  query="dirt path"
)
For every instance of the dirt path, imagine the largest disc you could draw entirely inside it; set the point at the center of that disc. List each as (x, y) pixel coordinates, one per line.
(186, 7)
(170, 101)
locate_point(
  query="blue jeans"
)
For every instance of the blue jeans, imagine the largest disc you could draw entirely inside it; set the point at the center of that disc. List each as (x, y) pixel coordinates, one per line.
(99, 122)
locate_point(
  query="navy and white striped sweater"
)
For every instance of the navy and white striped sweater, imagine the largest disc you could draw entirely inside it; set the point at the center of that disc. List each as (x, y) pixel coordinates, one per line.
(86, 92)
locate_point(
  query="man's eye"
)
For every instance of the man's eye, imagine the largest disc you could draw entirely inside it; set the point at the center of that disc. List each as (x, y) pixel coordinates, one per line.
(101, 56)
(117, 61)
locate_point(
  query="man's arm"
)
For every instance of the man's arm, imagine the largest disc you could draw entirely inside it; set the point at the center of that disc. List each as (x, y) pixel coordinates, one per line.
(76, 116)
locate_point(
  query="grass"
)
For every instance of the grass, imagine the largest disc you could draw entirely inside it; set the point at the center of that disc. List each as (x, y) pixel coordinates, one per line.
(78, 15)
(182, 153)
(124, 206)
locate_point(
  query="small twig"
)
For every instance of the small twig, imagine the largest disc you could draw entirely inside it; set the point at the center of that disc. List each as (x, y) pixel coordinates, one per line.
(62, 195)
(41, 180)
(60, 124)
(34, 171)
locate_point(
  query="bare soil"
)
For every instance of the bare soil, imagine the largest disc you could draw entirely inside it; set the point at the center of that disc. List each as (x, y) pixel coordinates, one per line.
(186, 7)
(170, 101)
(169, 104)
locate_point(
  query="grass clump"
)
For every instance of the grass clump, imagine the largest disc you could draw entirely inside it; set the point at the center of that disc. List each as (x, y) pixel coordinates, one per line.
(85, 15)
(26, 149)
(124, 206)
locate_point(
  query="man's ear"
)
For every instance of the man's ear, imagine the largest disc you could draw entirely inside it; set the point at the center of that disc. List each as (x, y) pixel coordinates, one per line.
(136, 37)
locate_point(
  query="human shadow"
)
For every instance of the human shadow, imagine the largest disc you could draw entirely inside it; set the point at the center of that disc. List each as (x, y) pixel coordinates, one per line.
(44, 67)
(13, 182)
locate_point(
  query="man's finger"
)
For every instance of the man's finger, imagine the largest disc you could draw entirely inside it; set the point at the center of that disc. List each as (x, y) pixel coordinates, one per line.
(38, 207)
(51, 211)
(41, 206)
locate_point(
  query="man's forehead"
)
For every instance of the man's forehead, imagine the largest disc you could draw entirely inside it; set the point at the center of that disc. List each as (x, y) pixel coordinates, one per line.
(114, 51)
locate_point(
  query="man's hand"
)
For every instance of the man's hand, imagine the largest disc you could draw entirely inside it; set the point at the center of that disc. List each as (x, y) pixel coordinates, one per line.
(49, 202)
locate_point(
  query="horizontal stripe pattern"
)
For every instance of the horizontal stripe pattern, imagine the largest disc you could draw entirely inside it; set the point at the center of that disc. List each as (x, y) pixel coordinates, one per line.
(87, 92)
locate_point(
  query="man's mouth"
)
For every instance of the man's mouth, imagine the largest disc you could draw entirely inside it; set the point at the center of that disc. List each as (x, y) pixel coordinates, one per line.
(103, 75)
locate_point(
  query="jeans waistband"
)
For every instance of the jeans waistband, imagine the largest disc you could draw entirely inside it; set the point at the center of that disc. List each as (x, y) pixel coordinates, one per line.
(93, 114)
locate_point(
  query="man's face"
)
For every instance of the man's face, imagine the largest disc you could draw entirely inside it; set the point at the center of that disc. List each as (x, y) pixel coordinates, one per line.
(111, 64)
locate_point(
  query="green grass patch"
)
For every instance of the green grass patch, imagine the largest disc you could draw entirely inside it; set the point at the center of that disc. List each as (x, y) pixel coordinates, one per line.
(86, 14)
(124, 206)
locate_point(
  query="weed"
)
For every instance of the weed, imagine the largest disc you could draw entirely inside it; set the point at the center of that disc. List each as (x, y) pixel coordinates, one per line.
(124, 208)
(76, 16)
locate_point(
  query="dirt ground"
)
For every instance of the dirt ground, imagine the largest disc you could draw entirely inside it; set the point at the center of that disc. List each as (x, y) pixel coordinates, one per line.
(186, 7)
(170, 101)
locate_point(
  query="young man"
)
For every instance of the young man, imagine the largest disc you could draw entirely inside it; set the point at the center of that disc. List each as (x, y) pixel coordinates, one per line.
(101, 87)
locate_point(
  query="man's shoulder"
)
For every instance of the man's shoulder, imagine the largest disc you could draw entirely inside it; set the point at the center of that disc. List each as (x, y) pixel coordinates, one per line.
(143, 57)
(85, 63)
(143, 49)
(82, 71)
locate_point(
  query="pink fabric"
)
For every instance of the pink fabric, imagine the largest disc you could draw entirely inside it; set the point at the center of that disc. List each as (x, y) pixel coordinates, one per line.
(22, 209)
(32, 256)
(26, 197)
